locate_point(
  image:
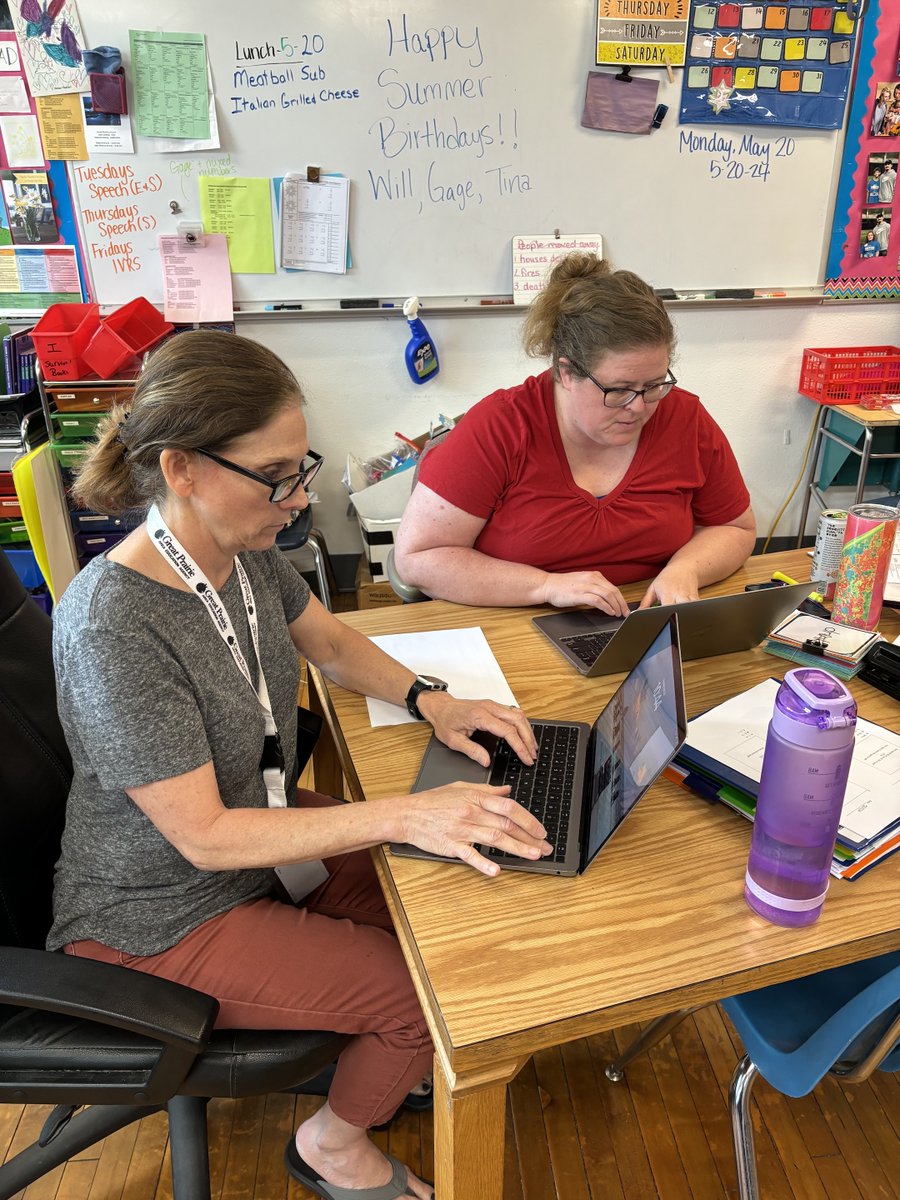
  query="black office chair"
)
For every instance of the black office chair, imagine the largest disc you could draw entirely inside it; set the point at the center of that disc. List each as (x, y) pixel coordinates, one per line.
(301, 534)
(76, 1032)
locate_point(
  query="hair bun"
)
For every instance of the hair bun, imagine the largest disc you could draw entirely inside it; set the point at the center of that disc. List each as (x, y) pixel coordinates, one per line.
(579, 265)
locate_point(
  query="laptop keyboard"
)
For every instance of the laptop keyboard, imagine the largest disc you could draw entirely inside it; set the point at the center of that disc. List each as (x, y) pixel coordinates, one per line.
(589, 646)
(544, 789)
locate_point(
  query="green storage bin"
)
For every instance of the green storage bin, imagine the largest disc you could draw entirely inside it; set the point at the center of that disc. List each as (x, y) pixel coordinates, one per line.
(68, 425)
(69, 454)
(12, 532)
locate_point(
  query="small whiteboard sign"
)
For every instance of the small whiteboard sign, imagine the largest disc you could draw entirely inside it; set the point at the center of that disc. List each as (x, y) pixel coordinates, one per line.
(533, 256)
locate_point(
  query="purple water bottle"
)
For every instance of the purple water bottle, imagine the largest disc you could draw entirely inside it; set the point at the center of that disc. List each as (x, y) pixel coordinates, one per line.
(804, 776)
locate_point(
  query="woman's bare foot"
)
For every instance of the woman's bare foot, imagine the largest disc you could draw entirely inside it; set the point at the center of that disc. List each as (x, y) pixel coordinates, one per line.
(344, 1155)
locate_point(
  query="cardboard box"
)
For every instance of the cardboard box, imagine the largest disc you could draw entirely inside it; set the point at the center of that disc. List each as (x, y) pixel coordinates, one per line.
(370, 594)
(378, 510)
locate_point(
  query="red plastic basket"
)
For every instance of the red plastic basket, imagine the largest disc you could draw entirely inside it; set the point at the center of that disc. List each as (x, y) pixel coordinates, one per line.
(127, 332)
(60, 338)
(844, 376)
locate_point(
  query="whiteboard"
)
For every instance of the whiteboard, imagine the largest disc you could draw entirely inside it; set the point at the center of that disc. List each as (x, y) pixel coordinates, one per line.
(458, 125)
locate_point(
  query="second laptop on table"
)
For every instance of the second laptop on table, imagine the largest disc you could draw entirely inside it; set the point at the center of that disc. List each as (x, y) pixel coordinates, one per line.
(598, 644)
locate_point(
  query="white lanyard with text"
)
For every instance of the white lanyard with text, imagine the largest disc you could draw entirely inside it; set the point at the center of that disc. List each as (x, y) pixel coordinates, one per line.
(178, 558)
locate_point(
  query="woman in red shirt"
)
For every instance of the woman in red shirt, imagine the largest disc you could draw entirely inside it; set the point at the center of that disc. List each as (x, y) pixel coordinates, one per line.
(598, 472)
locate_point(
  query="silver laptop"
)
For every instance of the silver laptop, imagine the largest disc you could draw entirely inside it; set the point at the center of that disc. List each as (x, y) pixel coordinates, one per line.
(598, 644)
(586, 779)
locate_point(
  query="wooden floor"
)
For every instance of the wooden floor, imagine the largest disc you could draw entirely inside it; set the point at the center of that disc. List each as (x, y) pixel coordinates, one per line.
(662, 1134)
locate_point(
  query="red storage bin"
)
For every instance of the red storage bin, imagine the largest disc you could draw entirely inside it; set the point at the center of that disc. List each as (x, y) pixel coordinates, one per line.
(127, 332)
(844, 376)
(60, 338)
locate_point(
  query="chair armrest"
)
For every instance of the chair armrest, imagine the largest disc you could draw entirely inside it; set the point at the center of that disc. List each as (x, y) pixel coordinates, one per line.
(95, 991)
(406, 591)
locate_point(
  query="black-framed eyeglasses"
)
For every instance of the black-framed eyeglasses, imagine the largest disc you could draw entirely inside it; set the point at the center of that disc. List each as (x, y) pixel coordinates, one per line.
(279, 489)
(622, 397)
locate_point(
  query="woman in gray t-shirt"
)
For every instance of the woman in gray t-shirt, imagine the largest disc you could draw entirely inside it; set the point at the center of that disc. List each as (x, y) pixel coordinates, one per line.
(165, 650)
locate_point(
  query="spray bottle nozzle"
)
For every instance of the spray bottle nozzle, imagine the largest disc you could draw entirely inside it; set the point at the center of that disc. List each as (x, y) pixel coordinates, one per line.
(411, 308)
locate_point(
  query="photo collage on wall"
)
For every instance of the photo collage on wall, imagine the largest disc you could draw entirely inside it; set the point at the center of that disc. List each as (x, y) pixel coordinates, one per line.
(786, 63)
(864, 253)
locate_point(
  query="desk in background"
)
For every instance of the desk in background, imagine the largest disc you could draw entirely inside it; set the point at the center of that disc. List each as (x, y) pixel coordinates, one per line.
(508, 966)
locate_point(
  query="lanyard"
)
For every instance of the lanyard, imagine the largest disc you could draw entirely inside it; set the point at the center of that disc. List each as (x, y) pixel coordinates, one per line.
(177, 557)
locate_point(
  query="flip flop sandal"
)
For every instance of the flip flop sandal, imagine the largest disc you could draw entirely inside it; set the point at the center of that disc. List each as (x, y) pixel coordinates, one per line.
(396, 1189)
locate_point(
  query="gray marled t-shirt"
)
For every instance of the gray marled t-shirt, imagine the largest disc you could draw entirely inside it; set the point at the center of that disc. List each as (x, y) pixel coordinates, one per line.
(147, 689)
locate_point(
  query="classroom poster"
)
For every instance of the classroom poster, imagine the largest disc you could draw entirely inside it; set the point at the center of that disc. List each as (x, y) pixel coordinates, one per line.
(864, 252)
(772, 63)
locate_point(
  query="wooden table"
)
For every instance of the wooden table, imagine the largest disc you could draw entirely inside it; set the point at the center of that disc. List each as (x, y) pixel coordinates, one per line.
(504, 967)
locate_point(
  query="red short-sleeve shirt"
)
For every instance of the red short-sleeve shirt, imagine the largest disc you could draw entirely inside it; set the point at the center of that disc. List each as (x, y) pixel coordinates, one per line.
(506, 462)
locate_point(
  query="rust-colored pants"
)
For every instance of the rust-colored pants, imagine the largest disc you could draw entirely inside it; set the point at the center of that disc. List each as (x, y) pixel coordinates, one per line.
(333, 963)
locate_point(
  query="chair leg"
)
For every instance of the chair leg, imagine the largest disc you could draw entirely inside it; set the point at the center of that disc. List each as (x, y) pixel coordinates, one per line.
(189, 1144)
(85, 1129)
(655, 1032)
(316, 544)
(742, 1081)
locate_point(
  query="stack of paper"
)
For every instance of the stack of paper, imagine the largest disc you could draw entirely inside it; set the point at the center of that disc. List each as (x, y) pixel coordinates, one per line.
(814, 642)
(722, 759)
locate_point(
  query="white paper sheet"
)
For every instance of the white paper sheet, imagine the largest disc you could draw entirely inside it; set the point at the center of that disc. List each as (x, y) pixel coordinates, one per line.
(314, 223)
(734, 733)
(461, 656)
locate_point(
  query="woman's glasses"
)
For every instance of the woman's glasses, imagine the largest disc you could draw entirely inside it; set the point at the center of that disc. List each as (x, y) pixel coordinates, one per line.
(622, 397)
(279, 489)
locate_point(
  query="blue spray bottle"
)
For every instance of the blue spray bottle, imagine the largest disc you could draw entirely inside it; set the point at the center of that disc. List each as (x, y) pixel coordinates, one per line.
(421, 356)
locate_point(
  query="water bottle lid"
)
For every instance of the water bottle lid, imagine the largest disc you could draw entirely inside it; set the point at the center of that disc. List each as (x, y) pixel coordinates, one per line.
(813, 698)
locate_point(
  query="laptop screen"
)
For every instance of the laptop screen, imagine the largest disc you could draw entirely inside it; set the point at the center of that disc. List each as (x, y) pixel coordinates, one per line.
(636, 736)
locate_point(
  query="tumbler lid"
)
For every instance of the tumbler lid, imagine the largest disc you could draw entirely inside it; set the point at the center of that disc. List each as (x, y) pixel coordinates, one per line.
(812, 697)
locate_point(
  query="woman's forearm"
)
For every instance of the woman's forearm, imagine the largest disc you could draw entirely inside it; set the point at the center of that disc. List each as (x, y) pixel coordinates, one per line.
(465, 576)
(715, 551)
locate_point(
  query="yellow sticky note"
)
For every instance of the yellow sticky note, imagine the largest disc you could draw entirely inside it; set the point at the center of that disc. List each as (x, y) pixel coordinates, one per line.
(843, 23)
(62, 126)
(795, 48)
(745, 77)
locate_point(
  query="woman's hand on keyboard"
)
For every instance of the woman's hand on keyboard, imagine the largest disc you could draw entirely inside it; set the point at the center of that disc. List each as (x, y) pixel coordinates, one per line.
(455, 721)
(448, 820)
(584, 587)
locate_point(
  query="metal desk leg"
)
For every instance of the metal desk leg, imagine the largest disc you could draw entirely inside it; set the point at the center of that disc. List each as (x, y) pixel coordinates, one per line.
(863, 464)
(315, 544)
(813, 463)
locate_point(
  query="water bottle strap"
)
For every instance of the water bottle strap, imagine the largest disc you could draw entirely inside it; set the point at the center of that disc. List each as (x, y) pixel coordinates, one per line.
(782, 902)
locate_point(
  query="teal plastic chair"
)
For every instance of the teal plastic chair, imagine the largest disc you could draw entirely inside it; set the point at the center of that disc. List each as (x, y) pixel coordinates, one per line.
(845, 1021)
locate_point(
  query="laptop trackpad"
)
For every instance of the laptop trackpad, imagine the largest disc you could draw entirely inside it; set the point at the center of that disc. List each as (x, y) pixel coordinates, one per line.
(441, 765)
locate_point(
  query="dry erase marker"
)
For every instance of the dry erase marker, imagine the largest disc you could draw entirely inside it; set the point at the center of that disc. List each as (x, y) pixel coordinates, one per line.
(497, 300)
(768, 295)
(284, 307)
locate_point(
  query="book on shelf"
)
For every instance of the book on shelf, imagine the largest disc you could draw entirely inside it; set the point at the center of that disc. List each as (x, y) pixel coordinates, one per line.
(721, 761)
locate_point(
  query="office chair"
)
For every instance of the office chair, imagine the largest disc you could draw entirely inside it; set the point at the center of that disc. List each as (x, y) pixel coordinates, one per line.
(844, 1022)
(406, 591)
(299, 534)
(76, 1032)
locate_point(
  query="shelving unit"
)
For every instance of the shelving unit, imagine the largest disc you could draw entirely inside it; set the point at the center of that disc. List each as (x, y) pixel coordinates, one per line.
(874, 427)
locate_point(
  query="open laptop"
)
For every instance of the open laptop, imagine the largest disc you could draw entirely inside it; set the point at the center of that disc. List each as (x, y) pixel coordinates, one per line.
(586, 779)
(598, 644)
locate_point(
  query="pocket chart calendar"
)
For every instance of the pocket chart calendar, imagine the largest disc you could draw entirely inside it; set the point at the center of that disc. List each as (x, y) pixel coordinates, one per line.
(783, 63)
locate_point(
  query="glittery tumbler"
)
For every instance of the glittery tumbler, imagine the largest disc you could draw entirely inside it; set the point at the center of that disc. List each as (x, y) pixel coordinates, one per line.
(865, 558)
